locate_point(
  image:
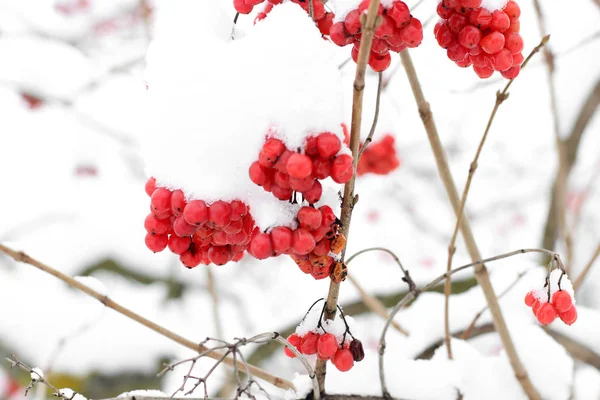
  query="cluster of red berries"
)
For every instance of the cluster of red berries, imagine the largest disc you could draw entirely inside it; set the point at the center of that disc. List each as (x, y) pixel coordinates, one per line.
(379, 157)
(197, 232)
(323, 18)
(283, 172)
(397, 31)
(326, 347)
(309, 245)
(474, 36)
(560, 305)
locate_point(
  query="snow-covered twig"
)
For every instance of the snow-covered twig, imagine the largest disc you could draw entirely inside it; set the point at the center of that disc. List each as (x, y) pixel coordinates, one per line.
(259, 373)
(481, 273)
(579, 280)
(501, 96)
(415, 292)
(375, 117)
(369, 24)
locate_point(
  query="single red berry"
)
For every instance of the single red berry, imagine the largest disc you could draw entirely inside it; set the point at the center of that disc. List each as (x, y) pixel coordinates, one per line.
(313, 195)
(483, 72)
(513, 42)
(546, 314)
(219, 214)
(191, 258)
(326, 23)
(456, 52)
(196, 212)
(150, 186)
(302, 241)
(399, 13)
(503, 60)
(492, 42)
(518, 59)
(237, 238)
(318, 10)
(339, 36)
(328, 145)
(469, 36)
(452, 3)
(156, 226)
(322, 248)
(309, 343)
(219, 255)
(179, 245)
(295, 341)
(281, 164)
(512, 72)
(379, 62)
(320, 233)
(442, 11)
(233, 227)
(178, 202)
(463, 64)
(327, 346)
(282, 193)
(270, 152)
(457, 22)
(238, 210)
(352, 22)
(310, 218)
(529, 299)
(562, 301)
(258, 173)
(156, 243)
(182, 228)
(515, 26)
(321, 168)
(570, 316)
(444, 35)
(343, 360)
(342, 168)
(481, 18)
(328, 216)
(281, 239)
(500, 21)
(260, 246)
(470, 3)
(412, 34)
(160, 202)
(242, 7)
(282, 180)
(302, 185)
(299, 166)
(386, 28)
(513, 10)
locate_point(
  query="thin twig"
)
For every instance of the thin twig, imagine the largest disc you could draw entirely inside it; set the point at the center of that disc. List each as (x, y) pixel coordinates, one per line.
(501, 96)
(375, 117)
(214, 296)
(580, 278)
(15, 362)
(24, 258)
(349, 199)
(414, 293)
(481, 273)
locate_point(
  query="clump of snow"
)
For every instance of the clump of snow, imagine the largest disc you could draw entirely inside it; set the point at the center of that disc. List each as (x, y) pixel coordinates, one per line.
(37, 374)
(341, 8)
(302, 387)
(211, 101)
(148, 393)
(93, 283)
(335, 326)
(493, 5)
(71, 394)
(541, 293)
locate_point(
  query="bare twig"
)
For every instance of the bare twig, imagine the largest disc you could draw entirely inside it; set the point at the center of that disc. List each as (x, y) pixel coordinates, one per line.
(415, 292)
(36, 377)
(579, 280)
(501, 96)
(24, 258)
(368, 29)
(375, 117)
(481, 273)
(210, 282)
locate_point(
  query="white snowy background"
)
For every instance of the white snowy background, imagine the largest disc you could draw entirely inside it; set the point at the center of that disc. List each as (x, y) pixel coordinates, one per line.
(72, 176)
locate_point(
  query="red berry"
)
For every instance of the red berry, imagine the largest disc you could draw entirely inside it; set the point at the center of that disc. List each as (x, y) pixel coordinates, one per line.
(178, 202)
(469, 36)
(321, 168)
(320, 233)
(481, 18)
(444, 35)
(326, 23)
(515, 26)
(150, 186)
(513, 42)
(313, 195)
(354, 54)
(463, 64)
(339, 36)
(328, 145)
(483, 72)
(327, 346)
(442, 11)
(412, 34)
(242, 7)
(182, 228)
(270, 152)
(179, 245)
(452, 3)
(322, 248)
(512, 72)
(328, 216)
(196, 212)
(299, 166)
(281, 164)
(238, 210)
(219, 214)
(281, 193)
(470, 3)
(386, 28)
(570, 316)
(343, 360)
(562, 301)
(456, 52)
(500, 21)
(302, 241)
(219, 255)
(160, 202)
(342, 168)
(258, 173)
(503, 60)
(310, 218)
(156, 226)
(529, 299)
(309, 343)
(492, 43)
(546, 314)
(457, 22)
(518, 59)
(352, 22)
(156, 243)
(191, 258)
(233, 227)
(260, 246)
(399, 13)
(281, 239)
(364, 5)
(536, 306)
(295, 341)
(379, 63)
(513, 11)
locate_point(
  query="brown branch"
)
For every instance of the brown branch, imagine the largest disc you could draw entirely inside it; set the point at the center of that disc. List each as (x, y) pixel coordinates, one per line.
(500, 98)
(481, 273)
(369, 24)
(375, 117)
(414, 293)
(579, 280)
(214, 296)
(24, 258)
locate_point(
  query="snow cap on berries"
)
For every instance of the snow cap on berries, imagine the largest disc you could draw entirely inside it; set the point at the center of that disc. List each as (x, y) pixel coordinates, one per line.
(493, 5)
(541, 293)
(336, 326)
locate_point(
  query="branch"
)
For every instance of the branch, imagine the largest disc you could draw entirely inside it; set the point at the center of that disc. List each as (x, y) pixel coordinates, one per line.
(579, 280)
(369, 24)
(414, 293)
(37, 376)
(24, 258)
(481, 273)
(375, 117)
(500, 98)
(214, 296)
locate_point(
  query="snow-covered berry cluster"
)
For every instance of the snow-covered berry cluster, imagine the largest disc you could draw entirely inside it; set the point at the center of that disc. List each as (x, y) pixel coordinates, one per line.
(397, 31)
(323, 18)
(328, 340)
(283, 172)
(553, 301)
(379, 157)
(488, 40)
(197, 232)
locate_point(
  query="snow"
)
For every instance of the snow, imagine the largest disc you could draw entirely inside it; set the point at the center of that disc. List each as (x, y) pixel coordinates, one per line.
(149, 393)
(93, 283)
(71, 394)
(493, 5)
(335, 327)
(303, 385)
(541, 293)
(36, 374)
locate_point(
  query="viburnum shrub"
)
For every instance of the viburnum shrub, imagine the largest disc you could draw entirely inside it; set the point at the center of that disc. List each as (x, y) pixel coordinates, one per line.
(486, 39)
(329, 340)
(555, 299)
(397, 31)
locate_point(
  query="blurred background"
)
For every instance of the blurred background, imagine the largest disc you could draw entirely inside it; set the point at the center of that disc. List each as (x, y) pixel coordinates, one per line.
(72, 195)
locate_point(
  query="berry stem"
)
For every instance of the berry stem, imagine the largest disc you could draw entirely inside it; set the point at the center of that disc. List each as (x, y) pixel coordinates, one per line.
(348, 202)
(481, 273)
(375, 117)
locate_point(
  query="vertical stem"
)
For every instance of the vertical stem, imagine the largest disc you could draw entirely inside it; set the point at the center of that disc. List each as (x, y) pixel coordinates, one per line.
(481, 273)
(368, 29)
(212, 290)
